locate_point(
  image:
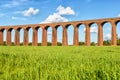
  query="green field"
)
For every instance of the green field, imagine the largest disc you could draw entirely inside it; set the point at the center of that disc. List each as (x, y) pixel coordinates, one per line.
(59, 63)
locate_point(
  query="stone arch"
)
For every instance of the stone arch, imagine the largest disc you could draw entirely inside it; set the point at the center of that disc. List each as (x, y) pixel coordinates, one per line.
(107, 32)
(30, 35)
(59, 29)
(3, 36)
(49, 35)
(10, 36)
(81, 34)
(117, 23)
(39, 35)
(21, 35)
(93, 33)
(70, 33)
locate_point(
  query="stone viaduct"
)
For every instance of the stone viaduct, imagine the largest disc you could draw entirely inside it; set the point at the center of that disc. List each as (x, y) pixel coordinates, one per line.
(44, 27)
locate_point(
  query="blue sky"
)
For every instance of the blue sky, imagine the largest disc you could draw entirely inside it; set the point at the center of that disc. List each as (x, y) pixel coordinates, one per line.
(15, 12)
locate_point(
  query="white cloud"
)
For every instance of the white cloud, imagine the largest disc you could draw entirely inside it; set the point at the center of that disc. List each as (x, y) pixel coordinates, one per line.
(18, 18)
(55, 18)
(65, 11)
(93, 29)
(107, 37)
(58, 16)
(108, 28)
(30, 12)
(49, 33)
(118, 35)
(118, 15)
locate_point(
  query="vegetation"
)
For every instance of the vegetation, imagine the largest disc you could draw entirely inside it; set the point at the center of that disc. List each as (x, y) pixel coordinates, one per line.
(81, 43)
(93, 44)
(59, 44)
(59, 63)
(49, 43)
(107, 42)
(118, 41)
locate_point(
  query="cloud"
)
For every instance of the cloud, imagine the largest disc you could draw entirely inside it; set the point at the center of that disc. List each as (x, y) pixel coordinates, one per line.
(59, 16)
(93, 29)
(65, 11)
(118, 15)
(118, 35)
(108, 28)
(18, 18)
(30, 12)
(55, 18)
(107, 37)
(49, 33)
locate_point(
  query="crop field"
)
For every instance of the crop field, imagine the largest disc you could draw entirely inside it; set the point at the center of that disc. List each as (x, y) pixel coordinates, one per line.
(59, 63)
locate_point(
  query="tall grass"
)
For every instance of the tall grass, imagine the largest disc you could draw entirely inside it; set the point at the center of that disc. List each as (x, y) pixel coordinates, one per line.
(59, 63)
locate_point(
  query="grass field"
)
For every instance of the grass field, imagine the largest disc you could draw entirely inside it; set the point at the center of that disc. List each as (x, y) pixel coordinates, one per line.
(59, 63)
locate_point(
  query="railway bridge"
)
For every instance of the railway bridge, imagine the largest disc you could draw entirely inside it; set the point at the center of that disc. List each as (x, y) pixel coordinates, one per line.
(54, 26)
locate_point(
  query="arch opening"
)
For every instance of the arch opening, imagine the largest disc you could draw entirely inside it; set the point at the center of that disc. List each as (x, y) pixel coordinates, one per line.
(4, 36)
(30, 36)
(39, 36)
(59, 35)
(70, 32)
(21, 32)
(12, 37)
(118, 33)
(49, 36)
(93, 34)
(107, 33)
(81, 29)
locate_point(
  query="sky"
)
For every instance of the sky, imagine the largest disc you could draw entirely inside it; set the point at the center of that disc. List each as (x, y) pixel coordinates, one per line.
(17, 12)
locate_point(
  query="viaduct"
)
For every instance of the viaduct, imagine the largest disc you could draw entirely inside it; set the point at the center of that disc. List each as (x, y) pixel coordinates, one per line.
(44, 27)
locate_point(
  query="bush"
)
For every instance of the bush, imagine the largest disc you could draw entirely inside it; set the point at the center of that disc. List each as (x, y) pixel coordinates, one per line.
(12, 44)
(81, 43)
(107, 42)
(21, 44)
(4, 44)
(93, 44)
(59, 44)
(49, 43)
(118, 42)
(30, 44)
(39, 44)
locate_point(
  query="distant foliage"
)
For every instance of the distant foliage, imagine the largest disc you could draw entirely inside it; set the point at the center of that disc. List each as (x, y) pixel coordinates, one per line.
(93, 44)
(13, 44)
(59, 44)
(107, 42)
(4, 43)
(21, 44)
(39, 44)
(49, 43)
(118, 41)
(81, 43)
(30, 44)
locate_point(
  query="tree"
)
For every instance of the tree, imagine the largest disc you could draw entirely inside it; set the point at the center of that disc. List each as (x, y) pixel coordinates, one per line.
(92, 44)
(59, 43)
(106, 42)
(81, 43)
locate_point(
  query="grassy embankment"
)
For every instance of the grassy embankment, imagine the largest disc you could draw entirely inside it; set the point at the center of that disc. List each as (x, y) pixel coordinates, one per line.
(59, 63)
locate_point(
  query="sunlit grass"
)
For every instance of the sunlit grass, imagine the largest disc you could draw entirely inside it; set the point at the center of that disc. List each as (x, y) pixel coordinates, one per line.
(59, 63)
